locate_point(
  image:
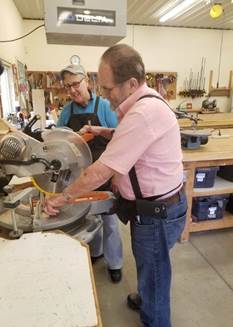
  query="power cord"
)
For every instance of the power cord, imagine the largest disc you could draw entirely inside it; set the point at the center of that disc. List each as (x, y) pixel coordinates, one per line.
(21, 37)
(219, 134)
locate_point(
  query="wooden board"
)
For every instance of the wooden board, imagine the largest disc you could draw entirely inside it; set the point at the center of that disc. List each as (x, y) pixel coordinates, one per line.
(217, 120)
(216, 149)
(46, 280)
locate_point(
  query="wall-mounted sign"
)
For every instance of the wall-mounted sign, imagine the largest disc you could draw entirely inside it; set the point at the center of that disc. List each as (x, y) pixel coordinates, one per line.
(86, 16)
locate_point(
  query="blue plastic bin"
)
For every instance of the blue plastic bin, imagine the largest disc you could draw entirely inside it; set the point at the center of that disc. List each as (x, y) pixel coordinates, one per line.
(209, 207)
(205, 177)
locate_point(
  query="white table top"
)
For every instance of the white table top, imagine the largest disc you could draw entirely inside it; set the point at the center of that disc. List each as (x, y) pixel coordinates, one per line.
(46, 280)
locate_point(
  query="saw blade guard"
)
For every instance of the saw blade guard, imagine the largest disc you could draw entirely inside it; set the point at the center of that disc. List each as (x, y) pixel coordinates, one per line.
(71, 150)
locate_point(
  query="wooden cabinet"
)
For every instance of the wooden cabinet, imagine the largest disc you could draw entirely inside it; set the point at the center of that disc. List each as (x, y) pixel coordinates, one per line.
(217, 152)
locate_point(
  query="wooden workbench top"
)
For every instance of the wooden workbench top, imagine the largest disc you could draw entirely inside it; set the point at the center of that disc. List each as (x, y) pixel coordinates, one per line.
(217, 120)
(216, 148)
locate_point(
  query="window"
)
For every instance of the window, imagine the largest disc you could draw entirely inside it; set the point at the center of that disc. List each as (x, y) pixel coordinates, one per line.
(7, 92)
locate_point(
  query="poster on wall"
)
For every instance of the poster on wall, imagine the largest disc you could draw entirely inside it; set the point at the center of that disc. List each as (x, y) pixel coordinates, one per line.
(163, 82)
(22, 77)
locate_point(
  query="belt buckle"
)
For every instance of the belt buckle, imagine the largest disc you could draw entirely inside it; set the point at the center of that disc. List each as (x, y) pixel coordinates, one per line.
(138, 219)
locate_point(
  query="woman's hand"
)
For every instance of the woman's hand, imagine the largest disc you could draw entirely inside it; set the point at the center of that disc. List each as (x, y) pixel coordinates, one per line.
(53, 204)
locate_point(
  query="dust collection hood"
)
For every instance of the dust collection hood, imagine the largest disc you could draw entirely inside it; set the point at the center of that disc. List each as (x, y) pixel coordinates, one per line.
(85, 22)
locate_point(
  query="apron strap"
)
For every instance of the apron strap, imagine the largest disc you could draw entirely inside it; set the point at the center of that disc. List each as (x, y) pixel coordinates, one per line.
(154, 96)
(132, 172)
(134, 183)
(96, 104)
(72, 108)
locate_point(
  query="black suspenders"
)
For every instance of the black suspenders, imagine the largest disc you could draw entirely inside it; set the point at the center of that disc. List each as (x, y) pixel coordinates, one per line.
(132, 172)
(154, 96)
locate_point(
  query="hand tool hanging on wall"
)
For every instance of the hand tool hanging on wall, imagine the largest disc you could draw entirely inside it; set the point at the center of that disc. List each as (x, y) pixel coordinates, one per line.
(195, 86)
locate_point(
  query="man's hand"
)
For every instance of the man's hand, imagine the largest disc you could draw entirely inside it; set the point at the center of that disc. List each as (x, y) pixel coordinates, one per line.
(95, 130)
(91, 178)
(53, 204)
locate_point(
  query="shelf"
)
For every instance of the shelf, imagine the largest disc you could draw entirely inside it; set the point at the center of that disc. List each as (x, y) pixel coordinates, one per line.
(221, 186)
(225, 222)
(220, 91)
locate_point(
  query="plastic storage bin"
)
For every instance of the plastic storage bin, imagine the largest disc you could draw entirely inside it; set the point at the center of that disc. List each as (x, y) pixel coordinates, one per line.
(209, 207)
(226, 172)
(229, 206)
(205, 177)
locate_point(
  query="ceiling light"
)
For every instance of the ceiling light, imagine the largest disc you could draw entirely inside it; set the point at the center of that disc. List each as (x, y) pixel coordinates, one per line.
(178, 10)
(216, 10)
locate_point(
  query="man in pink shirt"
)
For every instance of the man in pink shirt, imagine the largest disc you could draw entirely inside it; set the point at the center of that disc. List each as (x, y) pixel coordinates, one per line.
(144, 159)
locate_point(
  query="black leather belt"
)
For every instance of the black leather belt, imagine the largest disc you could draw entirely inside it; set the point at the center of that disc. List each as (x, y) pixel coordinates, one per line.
(168, 201)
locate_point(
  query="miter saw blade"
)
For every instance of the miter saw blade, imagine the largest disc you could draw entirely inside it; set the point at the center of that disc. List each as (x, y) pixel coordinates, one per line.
(71, 150)
(70, 216)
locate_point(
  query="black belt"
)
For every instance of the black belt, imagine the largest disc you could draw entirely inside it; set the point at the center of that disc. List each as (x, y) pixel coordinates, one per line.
(170, 200)
(128, 209)
(158, 207)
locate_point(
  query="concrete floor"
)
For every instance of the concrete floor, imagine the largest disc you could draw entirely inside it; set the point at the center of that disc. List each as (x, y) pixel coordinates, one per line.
(202, 287)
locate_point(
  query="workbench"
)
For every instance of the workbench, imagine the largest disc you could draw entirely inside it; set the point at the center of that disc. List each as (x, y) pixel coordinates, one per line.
(216, 120)
(217, 152)
(47, 280)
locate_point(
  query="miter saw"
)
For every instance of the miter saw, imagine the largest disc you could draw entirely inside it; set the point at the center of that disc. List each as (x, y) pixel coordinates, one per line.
(53, 164)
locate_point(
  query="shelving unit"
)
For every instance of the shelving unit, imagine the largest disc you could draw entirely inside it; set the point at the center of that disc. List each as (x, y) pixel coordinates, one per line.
(217, 152)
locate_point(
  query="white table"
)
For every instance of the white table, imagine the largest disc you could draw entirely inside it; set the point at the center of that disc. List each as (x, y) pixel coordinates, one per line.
(46, 280)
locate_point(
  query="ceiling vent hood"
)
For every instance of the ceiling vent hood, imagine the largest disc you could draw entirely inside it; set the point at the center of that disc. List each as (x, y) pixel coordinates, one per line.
(85, 22)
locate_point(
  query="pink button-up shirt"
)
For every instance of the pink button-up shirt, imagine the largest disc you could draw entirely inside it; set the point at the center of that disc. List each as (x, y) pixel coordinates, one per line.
(148, 137)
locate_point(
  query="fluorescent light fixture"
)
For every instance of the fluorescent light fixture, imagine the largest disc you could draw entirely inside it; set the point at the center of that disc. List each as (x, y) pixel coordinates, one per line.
(178, 10)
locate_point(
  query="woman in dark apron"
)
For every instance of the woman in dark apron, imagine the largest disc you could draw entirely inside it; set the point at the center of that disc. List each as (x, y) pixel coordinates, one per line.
(107, 242)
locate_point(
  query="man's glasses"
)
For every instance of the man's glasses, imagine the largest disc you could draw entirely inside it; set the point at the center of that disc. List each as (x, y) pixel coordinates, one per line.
(74, 85)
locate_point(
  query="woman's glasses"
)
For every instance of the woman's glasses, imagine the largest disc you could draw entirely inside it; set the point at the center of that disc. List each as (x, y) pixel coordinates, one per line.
(74, 85)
